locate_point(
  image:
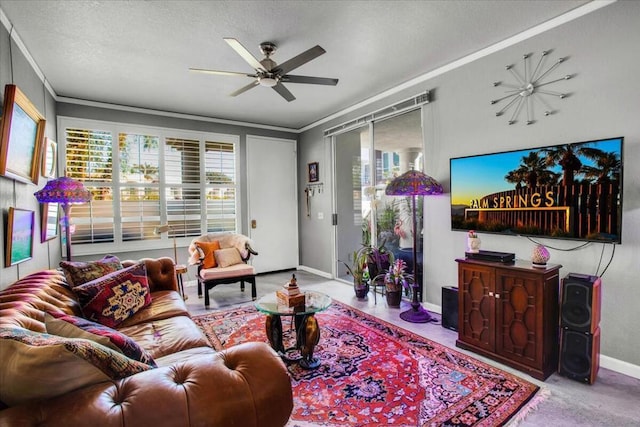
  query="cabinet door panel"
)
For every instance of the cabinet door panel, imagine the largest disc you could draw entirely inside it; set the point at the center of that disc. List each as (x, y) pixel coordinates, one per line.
(476, 314)
(519, 317)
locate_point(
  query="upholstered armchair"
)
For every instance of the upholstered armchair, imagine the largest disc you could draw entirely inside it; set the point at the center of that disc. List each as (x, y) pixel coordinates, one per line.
(222, 259)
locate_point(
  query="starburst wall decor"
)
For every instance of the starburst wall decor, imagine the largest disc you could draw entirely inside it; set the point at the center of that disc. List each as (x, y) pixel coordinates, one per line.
(527, 91)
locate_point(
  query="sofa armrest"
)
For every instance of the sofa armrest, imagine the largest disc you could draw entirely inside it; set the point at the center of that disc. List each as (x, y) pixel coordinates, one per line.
(245, 385)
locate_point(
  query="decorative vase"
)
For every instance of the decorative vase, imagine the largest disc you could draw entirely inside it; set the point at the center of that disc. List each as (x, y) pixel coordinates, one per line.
(473, 244)
(361, 290)
(540, 256)
(393, 297)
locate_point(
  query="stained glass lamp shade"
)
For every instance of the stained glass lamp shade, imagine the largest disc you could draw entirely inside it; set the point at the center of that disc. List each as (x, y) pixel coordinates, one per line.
(65, 191)
(414, 183)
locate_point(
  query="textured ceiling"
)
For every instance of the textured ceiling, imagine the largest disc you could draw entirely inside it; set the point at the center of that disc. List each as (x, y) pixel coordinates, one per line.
(137, 53)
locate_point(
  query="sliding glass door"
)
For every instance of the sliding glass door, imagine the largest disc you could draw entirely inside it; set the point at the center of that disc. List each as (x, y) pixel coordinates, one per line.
(366, 160)
(352, 175)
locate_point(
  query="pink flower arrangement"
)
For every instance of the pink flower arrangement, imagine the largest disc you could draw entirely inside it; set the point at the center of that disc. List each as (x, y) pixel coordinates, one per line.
(472, 234)
(396, 275)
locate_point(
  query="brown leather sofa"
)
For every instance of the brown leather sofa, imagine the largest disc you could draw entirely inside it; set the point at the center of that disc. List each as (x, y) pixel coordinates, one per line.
(193, 385)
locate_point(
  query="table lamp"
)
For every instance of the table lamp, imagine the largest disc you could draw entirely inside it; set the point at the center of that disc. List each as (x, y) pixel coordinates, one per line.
(65, 191)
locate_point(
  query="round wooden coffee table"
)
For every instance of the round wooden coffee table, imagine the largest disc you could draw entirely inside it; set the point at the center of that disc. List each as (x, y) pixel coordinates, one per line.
(306, 326)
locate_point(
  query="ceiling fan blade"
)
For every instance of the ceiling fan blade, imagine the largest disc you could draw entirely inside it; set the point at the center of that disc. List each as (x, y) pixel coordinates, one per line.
(310, 80)
(221, 73)
(284, 92)
(244, 88)
(244, 53)
(299, 60)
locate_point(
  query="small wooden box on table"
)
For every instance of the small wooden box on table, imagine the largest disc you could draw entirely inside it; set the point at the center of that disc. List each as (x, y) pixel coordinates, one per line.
(290, 300)
(509, 313)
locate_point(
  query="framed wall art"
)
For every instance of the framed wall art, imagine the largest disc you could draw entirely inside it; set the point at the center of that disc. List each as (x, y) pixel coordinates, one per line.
(49, 163)
(49, 221)
(19, 236)
(21, 137)
(314, 172)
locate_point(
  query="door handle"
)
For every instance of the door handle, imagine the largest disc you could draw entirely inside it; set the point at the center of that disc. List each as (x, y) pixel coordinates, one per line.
(254, 224)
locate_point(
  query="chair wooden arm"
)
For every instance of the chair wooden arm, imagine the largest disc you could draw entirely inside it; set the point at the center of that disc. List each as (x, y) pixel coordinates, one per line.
(250, 251)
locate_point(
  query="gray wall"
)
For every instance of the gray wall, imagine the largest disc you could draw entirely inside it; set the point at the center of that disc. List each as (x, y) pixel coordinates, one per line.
(602, 52)
(15, 69)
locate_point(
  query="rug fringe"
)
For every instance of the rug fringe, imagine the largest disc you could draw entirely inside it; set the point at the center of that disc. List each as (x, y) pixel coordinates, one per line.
(542, 395)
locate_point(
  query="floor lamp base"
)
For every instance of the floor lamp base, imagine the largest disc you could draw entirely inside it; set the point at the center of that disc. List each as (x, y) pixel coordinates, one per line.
(416, 314)
(419, 315)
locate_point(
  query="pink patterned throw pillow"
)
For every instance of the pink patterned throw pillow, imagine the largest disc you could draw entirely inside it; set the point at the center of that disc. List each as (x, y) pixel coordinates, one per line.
(80, 272)
(66, 325)
(112, 299)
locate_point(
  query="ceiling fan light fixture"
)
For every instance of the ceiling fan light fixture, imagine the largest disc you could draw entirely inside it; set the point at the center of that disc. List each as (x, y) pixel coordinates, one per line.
(268, 81)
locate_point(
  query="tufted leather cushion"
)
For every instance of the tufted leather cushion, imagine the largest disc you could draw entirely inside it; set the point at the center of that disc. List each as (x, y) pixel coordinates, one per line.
(246, 385)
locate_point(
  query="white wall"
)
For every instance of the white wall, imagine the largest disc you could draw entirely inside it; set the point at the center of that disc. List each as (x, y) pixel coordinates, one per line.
(602, 54)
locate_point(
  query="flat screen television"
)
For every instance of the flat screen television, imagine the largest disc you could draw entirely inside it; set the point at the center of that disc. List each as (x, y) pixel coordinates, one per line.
(567, 191)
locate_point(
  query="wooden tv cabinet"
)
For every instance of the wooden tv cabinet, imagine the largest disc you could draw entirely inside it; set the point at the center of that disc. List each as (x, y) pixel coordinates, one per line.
(509, 313)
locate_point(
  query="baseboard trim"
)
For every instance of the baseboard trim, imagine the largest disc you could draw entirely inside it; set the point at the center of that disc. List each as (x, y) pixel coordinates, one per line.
(620, 366)
(432, 307)
(316, 272)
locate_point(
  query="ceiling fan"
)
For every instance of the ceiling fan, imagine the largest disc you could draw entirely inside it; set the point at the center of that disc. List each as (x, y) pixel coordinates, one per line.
(268, 73)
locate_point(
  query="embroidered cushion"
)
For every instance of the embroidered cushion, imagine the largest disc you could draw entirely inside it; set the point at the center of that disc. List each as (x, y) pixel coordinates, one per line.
(66, 325)
(227, 257)
(208, 248)
(79, 272)
(112, 299)
(39, 366)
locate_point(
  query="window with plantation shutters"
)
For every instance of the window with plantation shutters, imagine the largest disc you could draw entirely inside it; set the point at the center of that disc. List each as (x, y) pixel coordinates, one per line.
(152, 176)
(89, 159)
(139, 180)
(184, 190)
(220, 186)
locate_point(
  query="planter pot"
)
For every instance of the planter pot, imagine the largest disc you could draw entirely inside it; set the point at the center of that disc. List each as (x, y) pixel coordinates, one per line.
(473, 244)
(393, 298)
(374, 270)
(361, 290)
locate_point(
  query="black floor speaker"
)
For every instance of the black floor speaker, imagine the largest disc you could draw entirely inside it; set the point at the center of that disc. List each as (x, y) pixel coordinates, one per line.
(580, 302)
(450, 307)
(579, 355)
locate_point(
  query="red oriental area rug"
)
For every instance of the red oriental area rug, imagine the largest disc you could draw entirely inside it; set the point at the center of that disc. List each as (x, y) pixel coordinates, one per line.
(373, 373)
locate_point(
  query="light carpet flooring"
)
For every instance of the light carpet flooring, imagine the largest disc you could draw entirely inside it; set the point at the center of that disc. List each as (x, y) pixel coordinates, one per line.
(612, 401)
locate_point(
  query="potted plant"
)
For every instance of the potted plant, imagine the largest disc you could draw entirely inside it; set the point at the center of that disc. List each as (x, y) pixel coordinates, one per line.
(358, 270)
(378, 259)
(395, 279)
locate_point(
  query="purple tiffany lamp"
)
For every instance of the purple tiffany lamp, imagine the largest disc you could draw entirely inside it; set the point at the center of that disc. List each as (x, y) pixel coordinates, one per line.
(414, 183)
(65, 191)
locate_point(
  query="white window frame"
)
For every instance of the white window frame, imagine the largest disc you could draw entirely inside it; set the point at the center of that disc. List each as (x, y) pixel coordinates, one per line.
(115, 128)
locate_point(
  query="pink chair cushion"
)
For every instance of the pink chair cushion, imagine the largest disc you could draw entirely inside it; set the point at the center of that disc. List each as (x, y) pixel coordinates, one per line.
(236, 270)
